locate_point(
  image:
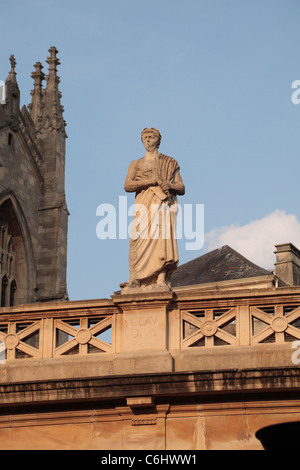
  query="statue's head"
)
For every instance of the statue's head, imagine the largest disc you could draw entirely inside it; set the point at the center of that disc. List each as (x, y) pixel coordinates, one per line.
(153, 132)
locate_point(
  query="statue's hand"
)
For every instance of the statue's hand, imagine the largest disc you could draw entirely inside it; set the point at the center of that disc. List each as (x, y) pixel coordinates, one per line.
(165, 186)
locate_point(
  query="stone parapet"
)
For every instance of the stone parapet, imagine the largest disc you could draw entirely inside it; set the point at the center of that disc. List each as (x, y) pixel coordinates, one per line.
(182, 322)
(163, 371)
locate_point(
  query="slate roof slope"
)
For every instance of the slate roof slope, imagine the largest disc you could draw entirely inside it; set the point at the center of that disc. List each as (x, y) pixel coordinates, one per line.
(218, 265)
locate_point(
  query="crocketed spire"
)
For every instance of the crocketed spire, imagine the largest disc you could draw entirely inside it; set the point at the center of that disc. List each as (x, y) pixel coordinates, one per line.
(12, 73)
(12, 91)
(45, 108)
(36, 105)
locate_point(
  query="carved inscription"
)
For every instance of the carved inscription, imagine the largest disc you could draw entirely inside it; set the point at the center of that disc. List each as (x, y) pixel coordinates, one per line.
(143, 326)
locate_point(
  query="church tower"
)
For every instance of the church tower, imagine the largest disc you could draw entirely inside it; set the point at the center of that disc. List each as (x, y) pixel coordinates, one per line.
(33, 210)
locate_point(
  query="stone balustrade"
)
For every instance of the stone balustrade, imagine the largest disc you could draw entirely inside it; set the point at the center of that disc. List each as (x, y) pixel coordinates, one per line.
(179, 321)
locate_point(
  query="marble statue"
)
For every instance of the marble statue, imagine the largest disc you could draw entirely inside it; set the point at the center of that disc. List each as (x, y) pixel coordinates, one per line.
(153, 253)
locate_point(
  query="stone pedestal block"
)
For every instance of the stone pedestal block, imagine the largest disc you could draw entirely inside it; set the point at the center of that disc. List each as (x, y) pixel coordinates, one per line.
(143, 321)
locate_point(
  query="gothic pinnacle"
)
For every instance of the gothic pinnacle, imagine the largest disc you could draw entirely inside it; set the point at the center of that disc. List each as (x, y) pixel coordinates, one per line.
(12, 74)
(38, 75)
(13, 63)
(46, 109)
(53, 61)
(36, 105)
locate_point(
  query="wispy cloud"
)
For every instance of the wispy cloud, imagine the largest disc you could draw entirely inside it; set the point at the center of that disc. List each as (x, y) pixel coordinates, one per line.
(256, 239)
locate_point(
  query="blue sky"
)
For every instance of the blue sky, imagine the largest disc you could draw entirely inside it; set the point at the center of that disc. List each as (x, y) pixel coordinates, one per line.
(214, 76)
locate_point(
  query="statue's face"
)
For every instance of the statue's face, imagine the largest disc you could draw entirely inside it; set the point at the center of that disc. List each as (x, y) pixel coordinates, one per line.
(150, 141)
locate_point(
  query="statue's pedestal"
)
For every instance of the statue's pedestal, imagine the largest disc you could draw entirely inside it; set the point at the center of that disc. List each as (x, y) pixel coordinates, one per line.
(143, 321)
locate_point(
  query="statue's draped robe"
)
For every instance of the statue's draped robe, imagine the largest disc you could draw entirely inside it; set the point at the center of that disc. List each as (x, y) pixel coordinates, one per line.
(153, 245)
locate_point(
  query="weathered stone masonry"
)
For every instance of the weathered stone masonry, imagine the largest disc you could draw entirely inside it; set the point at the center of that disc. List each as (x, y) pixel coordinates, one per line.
(33, 209)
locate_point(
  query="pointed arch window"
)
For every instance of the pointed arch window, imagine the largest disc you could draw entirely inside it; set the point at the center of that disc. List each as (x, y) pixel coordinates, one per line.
(12, 290)
(4, 285)
(16, 253)
(7, 265)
